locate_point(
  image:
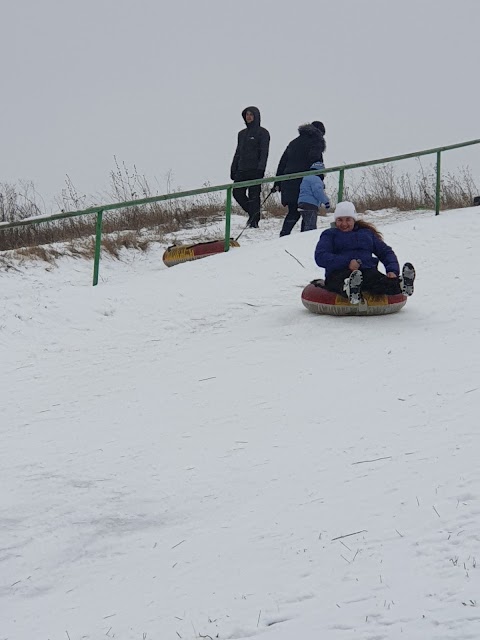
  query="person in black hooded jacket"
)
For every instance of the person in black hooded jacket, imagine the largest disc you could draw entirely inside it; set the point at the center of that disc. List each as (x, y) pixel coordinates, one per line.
(249, 163)
(299, 155)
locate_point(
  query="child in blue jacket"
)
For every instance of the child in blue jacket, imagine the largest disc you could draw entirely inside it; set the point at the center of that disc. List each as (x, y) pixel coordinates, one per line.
(312, 195)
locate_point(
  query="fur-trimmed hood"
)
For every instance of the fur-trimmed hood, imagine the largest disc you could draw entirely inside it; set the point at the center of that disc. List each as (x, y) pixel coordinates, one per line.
(310, 131)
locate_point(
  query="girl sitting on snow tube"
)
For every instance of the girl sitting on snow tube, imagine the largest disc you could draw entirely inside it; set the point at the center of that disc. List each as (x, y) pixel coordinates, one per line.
(350, 252)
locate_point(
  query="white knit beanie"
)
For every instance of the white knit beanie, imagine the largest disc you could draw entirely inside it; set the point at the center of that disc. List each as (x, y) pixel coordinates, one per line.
(345, 210)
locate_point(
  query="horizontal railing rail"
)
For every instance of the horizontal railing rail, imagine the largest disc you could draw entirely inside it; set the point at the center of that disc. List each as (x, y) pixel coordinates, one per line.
(99, 210)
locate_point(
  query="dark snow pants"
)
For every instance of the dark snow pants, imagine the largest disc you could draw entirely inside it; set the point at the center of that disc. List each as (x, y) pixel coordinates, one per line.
(291, 219)
(250, 202)
(309, 219)
(373, 282)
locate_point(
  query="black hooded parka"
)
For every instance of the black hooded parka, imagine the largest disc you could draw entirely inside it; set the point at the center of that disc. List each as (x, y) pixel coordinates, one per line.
(251, 154)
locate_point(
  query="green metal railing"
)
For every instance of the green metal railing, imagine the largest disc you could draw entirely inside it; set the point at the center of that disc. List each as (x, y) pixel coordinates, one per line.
(99, 210)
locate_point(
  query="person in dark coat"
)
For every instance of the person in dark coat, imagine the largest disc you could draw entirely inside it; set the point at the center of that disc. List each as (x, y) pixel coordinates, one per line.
(299, 155)
(249, 163)
(350, 253)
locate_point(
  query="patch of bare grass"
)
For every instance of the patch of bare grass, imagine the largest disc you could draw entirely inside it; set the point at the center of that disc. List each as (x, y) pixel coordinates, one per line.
(47, 254)
(114, 243)
(271, 204)
(382, 187)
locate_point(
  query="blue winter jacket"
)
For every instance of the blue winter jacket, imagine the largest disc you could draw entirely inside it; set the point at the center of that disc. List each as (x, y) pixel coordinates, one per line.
(312, 189)
(336, 248)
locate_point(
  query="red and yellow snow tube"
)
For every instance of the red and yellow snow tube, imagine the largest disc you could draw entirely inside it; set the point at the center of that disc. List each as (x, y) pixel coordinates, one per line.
(178, 253)
(318, 300)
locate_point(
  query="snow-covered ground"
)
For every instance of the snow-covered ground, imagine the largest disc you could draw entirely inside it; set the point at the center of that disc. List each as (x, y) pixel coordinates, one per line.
(189, 453)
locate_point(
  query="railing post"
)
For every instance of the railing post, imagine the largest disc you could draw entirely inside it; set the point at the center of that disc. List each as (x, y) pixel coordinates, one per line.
(437, 192)
(340, 185)
(228, 217)
(98, 244)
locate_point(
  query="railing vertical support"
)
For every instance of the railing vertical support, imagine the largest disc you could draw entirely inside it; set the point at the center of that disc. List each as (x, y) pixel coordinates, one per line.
(98, 244)
(340, 185)
(228, 218)
(437, 192)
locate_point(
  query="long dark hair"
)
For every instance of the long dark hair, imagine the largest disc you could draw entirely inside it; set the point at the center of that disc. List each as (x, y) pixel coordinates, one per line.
(361, 224)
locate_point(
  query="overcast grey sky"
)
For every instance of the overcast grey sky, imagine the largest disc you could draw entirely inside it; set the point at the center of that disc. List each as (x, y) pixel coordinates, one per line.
(162, 83)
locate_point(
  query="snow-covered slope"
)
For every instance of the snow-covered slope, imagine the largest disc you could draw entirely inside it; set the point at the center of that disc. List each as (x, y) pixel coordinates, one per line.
(188, 452)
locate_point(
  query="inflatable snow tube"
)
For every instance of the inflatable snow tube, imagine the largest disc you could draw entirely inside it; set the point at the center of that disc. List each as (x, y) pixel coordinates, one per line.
(318, 300)
(176, 254)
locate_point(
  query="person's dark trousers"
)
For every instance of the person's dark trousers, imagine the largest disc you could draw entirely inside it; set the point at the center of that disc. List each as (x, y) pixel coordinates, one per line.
(249, 199)
(309, 219)
(373, 282)
(309, 214)
(291, 219)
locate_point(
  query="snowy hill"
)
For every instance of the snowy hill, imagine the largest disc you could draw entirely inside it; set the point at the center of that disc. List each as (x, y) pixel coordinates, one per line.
(189, 453)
